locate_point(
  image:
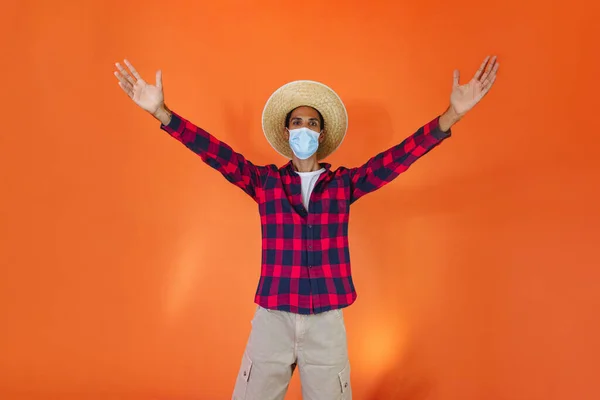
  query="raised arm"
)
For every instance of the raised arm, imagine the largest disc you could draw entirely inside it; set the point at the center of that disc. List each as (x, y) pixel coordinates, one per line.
(232, 165)
(386, 166)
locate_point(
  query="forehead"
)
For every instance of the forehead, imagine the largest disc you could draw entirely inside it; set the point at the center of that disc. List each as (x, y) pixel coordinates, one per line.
(305, 112)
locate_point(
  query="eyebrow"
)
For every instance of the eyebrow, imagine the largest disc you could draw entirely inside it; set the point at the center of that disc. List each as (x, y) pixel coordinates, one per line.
(310, 119)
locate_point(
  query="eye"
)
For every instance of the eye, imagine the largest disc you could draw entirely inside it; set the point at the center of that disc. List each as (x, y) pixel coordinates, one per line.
(296, 122)
(314, 123)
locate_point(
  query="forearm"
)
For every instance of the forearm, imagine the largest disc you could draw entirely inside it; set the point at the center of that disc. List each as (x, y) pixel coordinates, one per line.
(201, 142)
(213, 152)
(386, 166)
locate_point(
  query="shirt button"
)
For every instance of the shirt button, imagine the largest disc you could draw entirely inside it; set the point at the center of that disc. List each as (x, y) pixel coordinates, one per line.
(310, 246)
(310, 227)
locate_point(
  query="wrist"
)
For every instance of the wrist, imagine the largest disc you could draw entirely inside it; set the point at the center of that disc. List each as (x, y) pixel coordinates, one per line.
(163, 115)
(449, 118)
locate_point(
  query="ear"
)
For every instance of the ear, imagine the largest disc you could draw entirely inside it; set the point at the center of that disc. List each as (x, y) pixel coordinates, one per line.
(287, 134)
(321, 137)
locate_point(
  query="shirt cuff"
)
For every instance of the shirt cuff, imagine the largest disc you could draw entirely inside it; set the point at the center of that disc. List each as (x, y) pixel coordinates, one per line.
(436, 132)
(173, 128)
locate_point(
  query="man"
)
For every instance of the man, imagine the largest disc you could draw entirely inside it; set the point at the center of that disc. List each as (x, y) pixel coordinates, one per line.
(304, 206)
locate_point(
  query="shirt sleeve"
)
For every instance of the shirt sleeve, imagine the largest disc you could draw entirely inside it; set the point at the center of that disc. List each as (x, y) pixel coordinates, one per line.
(387, 165)
(218, 155)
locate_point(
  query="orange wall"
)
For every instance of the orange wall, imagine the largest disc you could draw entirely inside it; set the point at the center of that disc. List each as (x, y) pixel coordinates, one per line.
(128, 267)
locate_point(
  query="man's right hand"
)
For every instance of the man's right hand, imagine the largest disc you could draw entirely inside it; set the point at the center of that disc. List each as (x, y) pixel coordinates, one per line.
(148, 97)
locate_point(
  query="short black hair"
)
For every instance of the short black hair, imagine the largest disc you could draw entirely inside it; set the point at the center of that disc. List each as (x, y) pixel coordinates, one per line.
(289, 116)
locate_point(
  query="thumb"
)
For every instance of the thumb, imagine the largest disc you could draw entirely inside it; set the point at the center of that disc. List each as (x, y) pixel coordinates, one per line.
(159, 79)
(456, 78)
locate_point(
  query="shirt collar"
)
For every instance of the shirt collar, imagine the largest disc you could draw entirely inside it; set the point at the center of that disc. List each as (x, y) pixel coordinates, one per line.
(290, 166)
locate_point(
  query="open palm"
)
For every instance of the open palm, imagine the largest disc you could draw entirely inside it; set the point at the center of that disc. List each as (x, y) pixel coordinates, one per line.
(464, 97)
(147, 96)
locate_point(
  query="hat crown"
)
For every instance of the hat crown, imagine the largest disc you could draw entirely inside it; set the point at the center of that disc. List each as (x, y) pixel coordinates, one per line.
(305, 93)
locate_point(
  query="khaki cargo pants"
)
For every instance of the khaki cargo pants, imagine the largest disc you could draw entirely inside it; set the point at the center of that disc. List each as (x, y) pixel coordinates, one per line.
(279, 341)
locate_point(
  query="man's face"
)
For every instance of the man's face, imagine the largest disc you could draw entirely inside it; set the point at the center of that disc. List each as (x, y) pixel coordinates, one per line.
(305, 117)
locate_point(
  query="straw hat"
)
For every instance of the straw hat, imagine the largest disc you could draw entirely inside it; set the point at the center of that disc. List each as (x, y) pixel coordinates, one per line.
(305, 93)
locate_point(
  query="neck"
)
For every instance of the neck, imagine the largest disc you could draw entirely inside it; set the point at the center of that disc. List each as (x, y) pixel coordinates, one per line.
(309, 165)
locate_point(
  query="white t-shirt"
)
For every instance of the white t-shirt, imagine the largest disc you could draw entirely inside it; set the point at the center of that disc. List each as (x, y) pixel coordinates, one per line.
(309, 180)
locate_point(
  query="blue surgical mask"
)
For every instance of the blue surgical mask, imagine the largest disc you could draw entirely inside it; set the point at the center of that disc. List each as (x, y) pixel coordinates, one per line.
(304, 142)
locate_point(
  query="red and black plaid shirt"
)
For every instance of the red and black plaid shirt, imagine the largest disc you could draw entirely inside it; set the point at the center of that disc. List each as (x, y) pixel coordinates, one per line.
(305, 255)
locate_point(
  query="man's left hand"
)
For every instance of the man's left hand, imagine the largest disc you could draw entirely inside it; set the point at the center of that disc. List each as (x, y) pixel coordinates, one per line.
(464, 97)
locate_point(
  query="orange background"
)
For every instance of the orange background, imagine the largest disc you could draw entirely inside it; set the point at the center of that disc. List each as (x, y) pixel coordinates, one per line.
(128, 267)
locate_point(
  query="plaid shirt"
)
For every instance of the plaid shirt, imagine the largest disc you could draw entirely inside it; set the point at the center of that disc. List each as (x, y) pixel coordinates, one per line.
(305, 255)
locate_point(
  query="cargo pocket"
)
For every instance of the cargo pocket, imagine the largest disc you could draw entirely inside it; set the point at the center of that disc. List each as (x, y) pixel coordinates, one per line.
(239, 393)
(345, 383)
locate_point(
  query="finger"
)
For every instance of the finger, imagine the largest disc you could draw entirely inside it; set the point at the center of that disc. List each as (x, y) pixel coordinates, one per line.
(487, 87)
(123, 81)
(481, 68)
(159, 79)
(133, 70)
(121, 78)
(488, 70)
(456, 78)
(125, 74)
(491, 76)
(127, 91)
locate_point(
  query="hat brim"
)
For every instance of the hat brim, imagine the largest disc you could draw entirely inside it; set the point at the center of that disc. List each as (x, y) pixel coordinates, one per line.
(305, 93)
